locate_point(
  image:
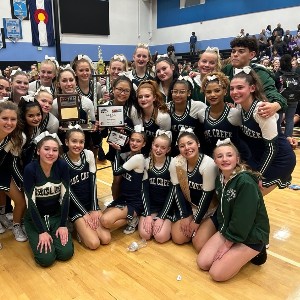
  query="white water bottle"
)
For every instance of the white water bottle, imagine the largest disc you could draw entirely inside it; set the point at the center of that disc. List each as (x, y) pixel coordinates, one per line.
(134, 246)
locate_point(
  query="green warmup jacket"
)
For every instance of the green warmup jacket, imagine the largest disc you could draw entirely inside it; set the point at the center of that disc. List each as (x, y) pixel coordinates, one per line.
(242, 215)
(267, 79)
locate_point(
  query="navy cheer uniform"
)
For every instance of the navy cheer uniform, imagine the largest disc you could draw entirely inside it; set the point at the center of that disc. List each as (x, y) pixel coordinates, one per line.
(272, 155)
(132, 172)
(83, 188)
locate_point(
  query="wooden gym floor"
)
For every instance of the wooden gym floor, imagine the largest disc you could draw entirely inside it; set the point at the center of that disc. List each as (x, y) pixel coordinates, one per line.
(151, 273)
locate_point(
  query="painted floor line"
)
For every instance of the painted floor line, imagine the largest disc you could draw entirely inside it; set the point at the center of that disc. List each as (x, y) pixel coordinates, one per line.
(283, 258)
(108, 184)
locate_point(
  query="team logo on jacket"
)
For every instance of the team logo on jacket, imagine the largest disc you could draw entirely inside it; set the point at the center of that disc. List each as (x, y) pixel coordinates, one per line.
(230, 194)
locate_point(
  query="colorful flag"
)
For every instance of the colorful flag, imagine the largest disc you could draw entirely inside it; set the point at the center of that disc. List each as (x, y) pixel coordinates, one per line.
(41, 22)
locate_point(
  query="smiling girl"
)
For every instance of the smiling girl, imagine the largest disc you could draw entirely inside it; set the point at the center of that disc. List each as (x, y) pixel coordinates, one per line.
(19, 85)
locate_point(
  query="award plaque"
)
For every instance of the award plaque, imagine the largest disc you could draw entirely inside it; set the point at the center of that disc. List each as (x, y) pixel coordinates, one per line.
(68, 107)
(111, 116)
(117, 138)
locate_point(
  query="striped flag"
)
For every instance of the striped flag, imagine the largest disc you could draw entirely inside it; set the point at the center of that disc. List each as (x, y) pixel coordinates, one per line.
(41, 22)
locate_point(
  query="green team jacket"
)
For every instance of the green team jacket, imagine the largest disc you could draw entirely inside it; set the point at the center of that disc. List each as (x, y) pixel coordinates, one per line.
(242, 215)
(267, 79)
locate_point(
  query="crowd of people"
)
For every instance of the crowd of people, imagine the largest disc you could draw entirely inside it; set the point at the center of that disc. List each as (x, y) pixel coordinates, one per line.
(203, 149)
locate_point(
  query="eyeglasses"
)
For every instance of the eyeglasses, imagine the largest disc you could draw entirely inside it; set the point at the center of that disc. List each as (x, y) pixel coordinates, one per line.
(126, 92)
(180, 92)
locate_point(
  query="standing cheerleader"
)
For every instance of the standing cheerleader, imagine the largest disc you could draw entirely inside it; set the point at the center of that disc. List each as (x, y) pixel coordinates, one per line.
(165, 74)
(48, 70)
(49, 122)
(11, 140)
(19, 85)
(141, 65)
(196, 174)
(129, 206)
(241, 224)
(47, 188)
(220, 120)
(271, 153)
(152, 112)
(157, 190)
(209, 61)
(31, 116)
(123, 95)
(84, 209)
(184, 113)
(117, 64)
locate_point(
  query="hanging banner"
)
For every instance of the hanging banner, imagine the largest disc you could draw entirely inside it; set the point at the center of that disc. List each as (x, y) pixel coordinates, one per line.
(12, 29)
(41, 22)
(20, 9)
(1, 39)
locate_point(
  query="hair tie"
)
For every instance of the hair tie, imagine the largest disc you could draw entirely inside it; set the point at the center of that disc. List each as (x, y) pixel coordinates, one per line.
(213, 49)
(13, 72)
(168, 133)
(83, 56)
(119, 57)
(162, 55)
(43, 89)
(246, 70)
(52, 58)
(223, 142)
(187, 78)
(46, 133)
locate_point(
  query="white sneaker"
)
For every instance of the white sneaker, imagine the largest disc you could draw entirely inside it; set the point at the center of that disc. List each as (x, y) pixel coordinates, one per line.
(131, 227)
(19, 234)
(6, 222)
(2, 229)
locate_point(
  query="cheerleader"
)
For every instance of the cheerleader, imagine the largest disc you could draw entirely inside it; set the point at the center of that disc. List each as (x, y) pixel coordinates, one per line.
(66, 81)
(84, 209)
(184, 113)
(118, 65)
(4, 88)
(196, 174)
(31, 115)
(151, 111)
(49, 122)
(47, 187)
(48, 71)
(157, 190)
(165, 74)
(129, 206)
(208, 62)
(11, 140)
(241, 225)
(142, 65)
(19, 85)
(271, 153)
(220, 121)
(123, 95)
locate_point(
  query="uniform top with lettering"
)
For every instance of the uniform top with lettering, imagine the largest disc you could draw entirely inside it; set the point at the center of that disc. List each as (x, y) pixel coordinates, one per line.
(83, 187)
(47, 196)
(271, 153)
(191, 118)
(159, 186)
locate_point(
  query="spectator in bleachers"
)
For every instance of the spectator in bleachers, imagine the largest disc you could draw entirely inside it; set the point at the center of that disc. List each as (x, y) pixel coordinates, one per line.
(279, 30)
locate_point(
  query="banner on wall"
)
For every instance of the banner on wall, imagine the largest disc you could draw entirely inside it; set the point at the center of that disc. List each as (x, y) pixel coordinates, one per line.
(12, 29)
(20, 9)
(41, 22)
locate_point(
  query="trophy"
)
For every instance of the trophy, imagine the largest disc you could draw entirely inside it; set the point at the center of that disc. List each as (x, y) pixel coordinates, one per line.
(100, 63)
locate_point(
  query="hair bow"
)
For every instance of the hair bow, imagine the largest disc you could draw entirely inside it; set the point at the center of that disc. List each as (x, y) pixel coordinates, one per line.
(13, 72)
(187, 78)
(182, 130)
(46, 133)
(43, 89)
(66, 67)
(119, 57)
(211, 78)
(246, 70)
(223, 142)
(28, 98)
(77, 126)
(168, 133)
(142, 45)
(138, 128)
(213, 49)
(52, 58)
(83, 56)
(162, 55)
